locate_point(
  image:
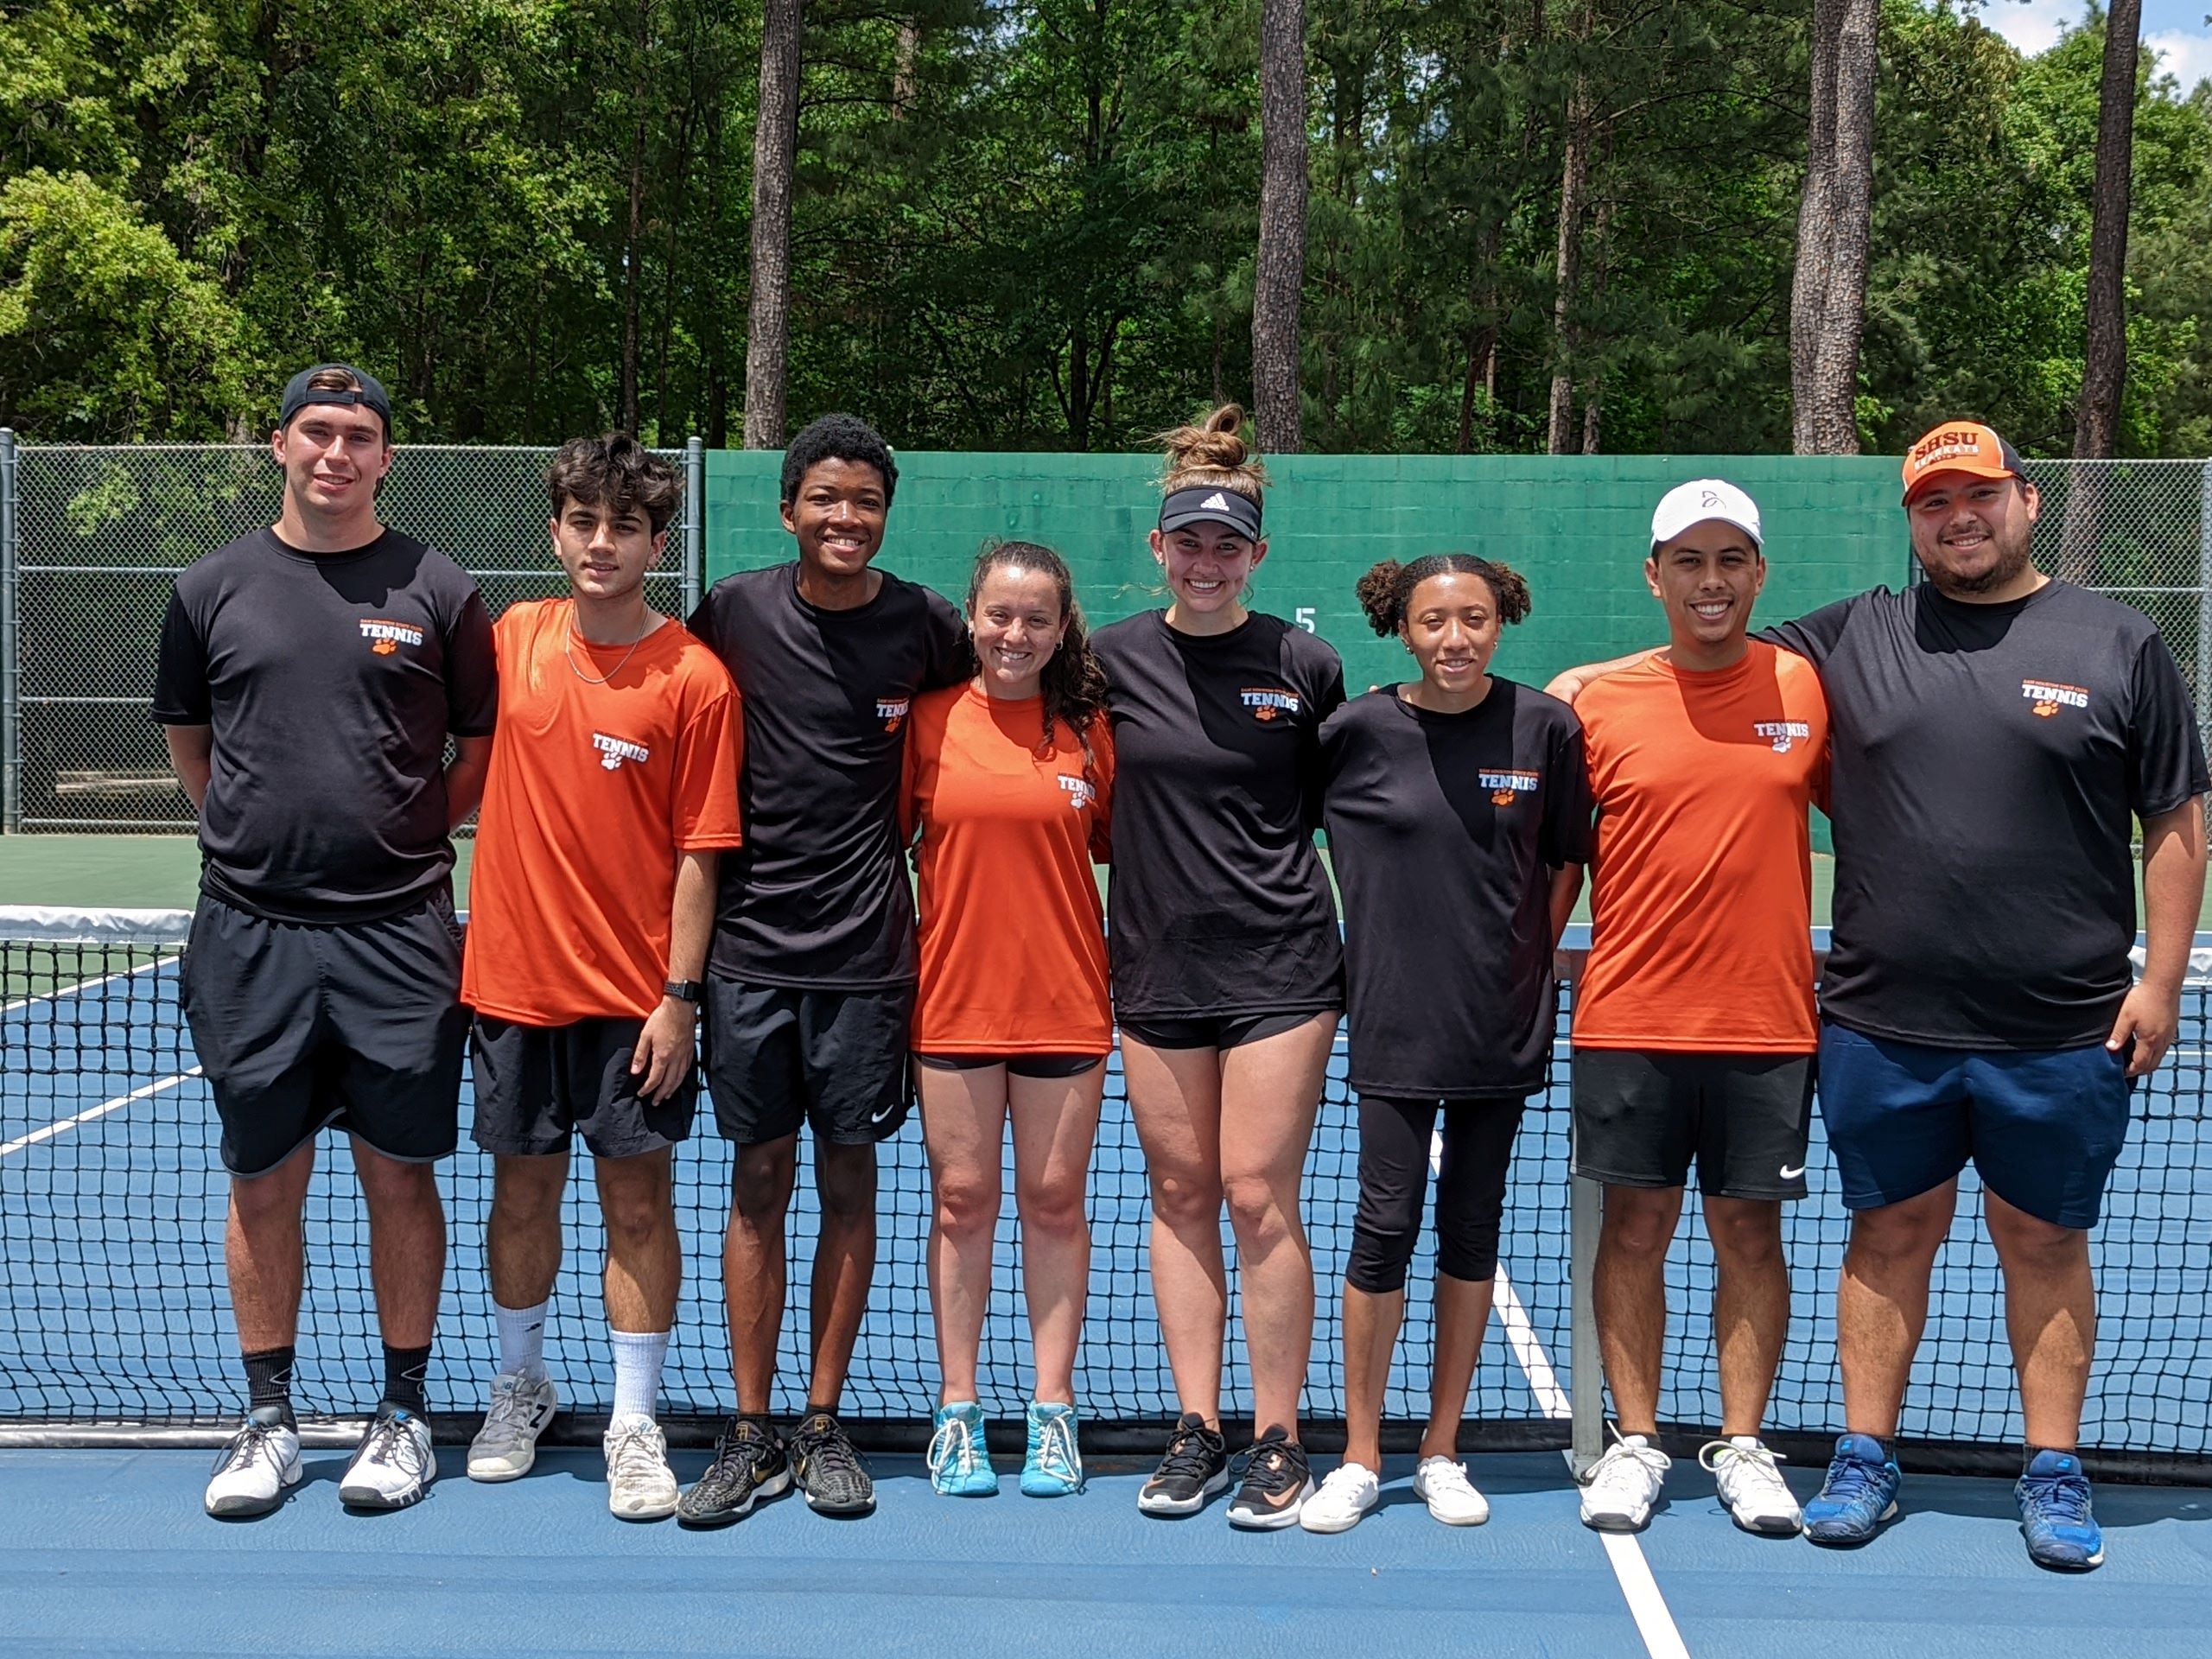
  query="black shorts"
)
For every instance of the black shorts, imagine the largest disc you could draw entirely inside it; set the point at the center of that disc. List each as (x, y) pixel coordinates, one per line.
(779, 1058)
(356, 1026)
(1047, 1066)
(1641, 1117)
(1218, 1030)
(537, 1085)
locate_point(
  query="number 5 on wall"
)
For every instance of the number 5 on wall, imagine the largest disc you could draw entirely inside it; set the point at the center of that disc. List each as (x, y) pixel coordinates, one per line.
(1304, 617)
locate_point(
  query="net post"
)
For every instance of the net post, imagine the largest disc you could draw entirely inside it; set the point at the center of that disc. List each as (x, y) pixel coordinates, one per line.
(1586, 1369)
(12, 705)
(2204, 596)
(694, 523)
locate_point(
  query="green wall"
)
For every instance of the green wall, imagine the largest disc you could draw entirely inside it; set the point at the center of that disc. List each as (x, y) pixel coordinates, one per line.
(1578, 528)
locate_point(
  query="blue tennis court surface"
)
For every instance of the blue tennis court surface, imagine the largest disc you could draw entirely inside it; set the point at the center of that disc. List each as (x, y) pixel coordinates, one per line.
(111, 1209)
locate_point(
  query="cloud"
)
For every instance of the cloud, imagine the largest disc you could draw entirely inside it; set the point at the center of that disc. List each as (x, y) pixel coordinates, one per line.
(2187, 58)
(2034, 25)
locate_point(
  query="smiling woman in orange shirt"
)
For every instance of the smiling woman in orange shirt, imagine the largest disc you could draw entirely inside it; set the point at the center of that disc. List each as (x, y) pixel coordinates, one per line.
(1008, 781)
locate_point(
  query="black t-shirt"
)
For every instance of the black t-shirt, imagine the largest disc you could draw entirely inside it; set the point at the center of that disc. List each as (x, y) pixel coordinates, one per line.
(331, 681)
(1445, 829)
(817, 897)
(1987, 760)
(1218, 904)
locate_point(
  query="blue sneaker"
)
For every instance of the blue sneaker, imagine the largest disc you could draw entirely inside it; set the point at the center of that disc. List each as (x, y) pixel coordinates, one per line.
(1054, 1466)
(2054, 1498)
(1858, 1495)
(960, 1464)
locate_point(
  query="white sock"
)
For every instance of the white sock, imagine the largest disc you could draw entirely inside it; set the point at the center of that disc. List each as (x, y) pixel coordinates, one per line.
(638, 1356)
(522, 1339)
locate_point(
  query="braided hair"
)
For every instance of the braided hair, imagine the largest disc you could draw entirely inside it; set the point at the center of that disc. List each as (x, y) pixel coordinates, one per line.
(1385, 591)
(1072, 684)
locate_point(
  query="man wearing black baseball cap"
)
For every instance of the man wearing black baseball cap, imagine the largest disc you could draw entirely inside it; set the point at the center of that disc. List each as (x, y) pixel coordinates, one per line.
(310, 677)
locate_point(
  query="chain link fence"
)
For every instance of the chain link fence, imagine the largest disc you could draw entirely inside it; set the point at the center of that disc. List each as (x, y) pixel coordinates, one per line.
(91, 543)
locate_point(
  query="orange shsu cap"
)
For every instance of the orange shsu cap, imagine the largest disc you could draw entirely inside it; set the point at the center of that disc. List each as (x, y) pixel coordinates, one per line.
(1959, 447)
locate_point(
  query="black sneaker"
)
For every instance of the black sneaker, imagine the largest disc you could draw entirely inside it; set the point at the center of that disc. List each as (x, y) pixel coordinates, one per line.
(829, 1468)
(1277, 1481)
(749, 1465)
(1196, 1466)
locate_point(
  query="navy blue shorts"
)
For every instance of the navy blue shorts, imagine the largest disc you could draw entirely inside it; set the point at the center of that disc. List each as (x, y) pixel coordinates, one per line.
(2043, 1127)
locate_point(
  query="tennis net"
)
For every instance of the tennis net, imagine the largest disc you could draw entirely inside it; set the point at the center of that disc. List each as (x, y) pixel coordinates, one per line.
(116, 1321)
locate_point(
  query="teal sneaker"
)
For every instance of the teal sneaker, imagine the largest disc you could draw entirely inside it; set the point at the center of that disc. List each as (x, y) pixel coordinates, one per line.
(1858, 1495)
(2054, 1498)
(960, 1464)
(1054, 1466)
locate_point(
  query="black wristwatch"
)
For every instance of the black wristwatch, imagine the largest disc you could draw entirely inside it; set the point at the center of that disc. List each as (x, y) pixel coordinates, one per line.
(683, 990)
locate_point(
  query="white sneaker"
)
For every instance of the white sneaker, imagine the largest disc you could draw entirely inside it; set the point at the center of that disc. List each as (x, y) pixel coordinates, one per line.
(262, 1459)
(1349, 1491)
(507, 1445)
(1620, 1488)
(393, 1467)
(640, 1486)
(1750, 1485)
(1451, 1499)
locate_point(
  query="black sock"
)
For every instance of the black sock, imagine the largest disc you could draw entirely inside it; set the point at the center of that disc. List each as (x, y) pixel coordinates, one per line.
(269, 1381)
(404, 1371)
(813, 1410)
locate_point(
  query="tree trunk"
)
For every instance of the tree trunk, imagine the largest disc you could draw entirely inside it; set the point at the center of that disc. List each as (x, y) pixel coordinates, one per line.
(1829, 290)
(2104, 366)
(633, 240)
(1573, 185)
(775, 156)
(906, 73)
(1280, 271)
(1593, 383)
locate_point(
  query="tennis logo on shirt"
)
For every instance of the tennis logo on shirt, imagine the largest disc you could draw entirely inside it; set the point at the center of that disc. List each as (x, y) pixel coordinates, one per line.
(1784, 734)
(1506, 787)
(1270, 703)
(1080, 794)
(613, 751)
(386, 638)
(891, 711)
(2050, 698)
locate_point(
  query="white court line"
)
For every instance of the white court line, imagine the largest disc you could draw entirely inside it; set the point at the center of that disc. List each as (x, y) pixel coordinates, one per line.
(88, 984)
(99, 1111)
(1662, 1640)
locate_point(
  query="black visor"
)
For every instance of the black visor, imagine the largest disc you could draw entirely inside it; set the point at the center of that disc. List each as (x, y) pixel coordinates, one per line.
(1241, 513)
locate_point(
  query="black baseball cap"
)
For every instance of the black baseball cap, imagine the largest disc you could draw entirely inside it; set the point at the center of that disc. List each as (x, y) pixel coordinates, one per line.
(1205, 503)
(298, 394)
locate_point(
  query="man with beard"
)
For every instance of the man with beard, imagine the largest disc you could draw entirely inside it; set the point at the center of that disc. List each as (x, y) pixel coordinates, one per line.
(1997, 736)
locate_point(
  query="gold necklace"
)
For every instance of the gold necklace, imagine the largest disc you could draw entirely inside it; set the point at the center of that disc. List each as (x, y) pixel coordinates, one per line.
(568, 650)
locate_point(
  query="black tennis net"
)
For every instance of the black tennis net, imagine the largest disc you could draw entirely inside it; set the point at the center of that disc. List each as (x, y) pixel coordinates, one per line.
(115, 1319)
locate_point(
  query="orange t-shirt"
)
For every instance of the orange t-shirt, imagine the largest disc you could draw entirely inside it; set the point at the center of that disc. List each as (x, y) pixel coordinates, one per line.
(1012, 936)
(1701, 886)
(593, 792)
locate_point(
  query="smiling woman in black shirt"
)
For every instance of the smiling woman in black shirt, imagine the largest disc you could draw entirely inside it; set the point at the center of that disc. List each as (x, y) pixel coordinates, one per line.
(1226, 963)
(1457, 807)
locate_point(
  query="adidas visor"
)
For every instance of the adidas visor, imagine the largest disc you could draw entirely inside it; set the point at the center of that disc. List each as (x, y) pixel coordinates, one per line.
(1959, 447)
(1240, 512)
(298, 395)
(1703, 499)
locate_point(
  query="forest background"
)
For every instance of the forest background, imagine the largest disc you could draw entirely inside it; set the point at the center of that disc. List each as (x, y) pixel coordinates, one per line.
(1032, 225)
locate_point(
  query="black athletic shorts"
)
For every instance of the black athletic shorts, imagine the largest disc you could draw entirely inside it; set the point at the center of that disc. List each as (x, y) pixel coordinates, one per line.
(1641, 1116)
(778, 1059)
(1047, 1066)
(537, 1086)
(357, 1025)
(1218, 1031)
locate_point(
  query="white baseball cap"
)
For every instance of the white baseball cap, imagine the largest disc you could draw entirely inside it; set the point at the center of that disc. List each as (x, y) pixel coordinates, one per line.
(1700, 499)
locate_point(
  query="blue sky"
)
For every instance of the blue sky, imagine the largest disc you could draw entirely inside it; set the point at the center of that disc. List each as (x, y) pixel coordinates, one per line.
(2175, 30)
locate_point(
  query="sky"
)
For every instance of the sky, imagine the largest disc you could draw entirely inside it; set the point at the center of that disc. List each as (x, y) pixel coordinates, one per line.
(2175, 30)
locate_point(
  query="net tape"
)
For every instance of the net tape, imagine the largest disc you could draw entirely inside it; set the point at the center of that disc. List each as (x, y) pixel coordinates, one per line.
(116, 1311)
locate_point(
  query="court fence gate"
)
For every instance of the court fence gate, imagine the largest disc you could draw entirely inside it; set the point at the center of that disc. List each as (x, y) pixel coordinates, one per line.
(92, 539)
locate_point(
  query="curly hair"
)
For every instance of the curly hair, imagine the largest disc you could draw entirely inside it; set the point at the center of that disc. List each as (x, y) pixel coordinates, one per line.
(838, 437)
(1385, 591)
(618, 473)
(1072, 683)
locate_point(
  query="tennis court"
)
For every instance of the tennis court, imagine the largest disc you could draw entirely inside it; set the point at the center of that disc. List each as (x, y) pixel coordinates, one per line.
(111, 1208)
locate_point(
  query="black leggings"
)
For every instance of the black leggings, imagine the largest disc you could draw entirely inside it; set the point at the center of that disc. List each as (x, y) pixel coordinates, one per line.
(1394, 1143)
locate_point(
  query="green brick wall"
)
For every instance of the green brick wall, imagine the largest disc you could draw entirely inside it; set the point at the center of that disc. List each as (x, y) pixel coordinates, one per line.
(1577, 528)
